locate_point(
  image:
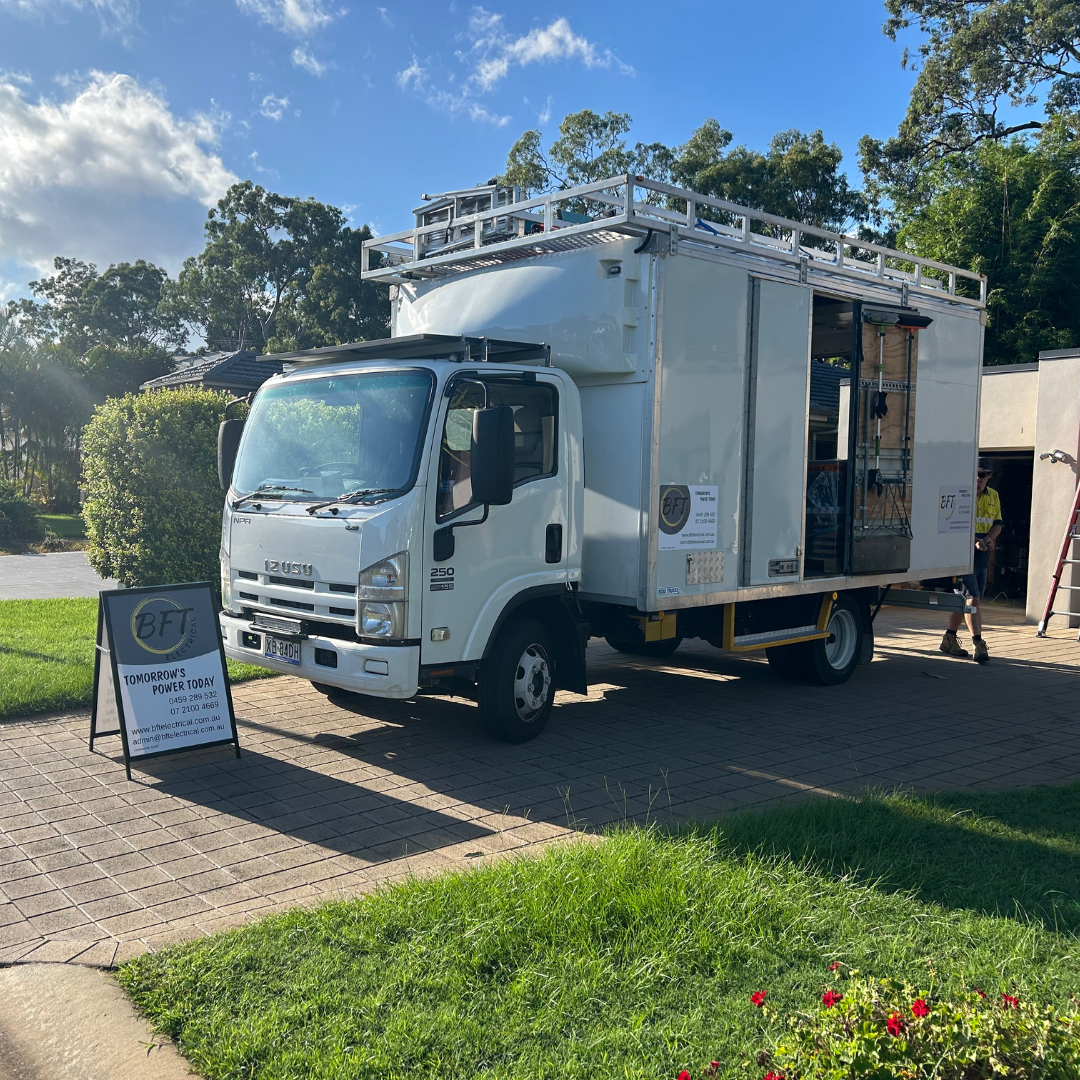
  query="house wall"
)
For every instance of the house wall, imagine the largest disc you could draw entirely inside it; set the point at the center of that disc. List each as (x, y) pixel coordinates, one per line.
(1053, 488)
(1008, 403)
(1037, 407)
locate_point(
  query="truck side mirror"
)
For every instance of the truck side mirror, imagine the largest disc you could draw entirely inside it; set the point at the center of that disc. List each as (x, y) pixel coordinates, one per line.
(228, 441)
(493, 455)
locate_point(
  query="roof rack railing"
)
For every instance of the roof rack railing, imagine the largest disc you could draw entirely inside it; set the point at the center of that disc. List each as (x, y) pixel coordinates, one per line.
(512, 228)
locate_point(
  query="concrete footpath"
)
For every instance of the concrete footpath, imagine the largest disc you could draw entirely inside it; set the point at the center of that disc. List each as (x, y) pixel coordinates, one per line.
(42, 577)
(63, 1022)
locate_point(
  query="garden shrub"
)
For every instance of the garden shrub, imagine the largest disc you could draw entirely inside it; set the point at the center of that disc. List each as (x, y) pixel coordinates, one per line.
(18, 516)
(153, 504)
(874, 1029)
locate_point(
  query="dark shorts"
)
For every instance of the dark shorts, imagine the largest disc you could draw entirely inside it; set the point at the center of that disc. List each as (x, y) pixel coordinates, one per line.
(973, 585)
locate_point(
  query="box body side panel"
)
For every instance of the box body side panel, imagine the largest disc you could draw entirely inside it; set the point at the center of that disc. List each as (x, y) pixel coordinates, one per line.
(781, 372)
(701, 423)
(611, 418)
(946, 445)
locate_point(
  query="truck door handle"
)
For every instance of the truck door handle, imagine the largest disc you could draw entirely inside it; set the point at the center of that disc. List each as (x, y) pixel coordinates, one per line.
(553, 544)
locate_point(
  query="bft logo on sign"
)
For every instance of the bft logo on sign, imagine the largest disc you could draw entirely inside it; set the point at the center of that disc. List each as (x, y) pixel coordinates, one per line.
(161, 626)
(160, 679)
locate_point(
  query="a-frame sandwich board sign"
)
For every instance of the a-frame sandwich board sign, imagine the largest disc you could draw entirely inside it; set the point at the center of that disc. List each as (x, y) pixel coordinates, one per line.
(160, 678)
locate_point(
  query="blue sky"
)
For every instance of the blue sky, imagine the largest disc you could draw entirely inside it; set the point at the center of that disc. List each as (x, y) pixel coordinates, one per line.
(121, 121)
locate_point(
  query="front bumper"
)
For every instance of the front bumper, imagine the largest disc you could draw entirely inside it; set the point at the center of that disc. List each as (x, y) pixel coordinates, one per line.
(359, 667)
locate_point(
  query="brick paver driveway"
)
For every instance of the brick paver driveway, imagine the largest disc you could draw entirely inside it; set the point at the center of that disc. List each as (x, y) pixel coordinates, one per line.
(330, 798)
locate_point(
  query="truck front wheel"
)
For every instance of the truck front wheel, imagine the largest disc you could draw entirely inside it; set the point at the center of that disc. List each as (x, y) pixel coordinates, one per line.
(517, 684)
(827, 661)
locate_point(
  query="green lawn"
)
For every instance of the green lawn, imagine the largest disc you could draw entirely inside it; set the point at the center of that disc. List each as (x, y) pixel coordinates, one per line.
(47, 655)
(634, 958)
(68, 526)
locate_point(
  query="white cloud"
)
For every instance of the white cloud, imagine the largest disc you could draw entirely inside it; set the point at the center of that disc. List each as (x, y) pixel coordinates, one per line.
(384, 15)
(492, 52)
(109, 174)
(495, 51)
(416, 78)
(273, 108)
(303, 57)
(120, 17)
(301, 18)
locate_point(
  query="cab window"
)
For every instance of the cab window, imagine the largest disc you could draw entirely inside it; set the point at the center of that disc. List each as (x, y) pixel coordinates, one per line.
(535, 408)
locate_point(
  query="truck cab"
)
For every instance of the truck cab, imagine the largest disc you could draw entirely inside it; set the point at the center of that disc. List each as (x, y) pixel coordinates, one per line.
(399, 516)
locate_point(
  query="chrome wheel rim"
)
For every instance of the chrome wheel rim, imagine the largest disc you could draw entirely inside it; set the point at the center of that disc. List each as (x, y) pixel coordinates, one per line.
(532, 683)
(843, 635)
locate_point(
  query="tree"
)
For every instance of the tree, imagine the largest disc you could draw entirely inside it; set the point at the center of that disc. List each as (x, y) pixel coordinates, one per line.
(797, 177)
(275, 269)
(979, 57)
(1011, 210)
(589, 147)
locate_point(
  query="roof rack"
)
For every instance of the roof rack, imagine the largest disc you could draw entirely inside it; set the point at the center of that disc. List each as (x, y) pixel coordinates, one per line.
(488, 226)
(423, 347)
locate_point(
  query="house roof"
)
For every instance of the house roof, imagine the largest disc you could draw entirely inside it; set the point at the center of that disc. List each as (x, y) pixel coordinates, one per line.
(239, 371)
(825, 387)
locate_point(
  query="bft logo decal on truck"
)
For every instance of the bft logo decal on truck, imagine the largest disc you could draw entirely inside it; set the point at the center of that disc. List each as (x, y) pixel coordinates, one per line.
(442, 579)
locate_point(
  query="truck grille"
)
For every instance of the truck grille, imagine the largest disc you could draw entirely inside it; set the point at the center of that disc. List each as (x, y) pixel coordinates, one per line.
(321, 598)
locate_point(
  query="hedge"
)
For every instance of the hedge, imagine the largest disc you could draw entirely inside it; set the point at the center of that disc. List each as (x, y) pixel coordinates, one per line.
(18, 516)
(153, 504)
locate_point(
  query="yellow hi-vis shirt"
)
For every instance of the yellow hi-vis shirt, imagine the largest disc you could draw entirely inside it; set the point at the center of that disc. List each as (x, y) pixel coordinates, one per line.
(987, 511)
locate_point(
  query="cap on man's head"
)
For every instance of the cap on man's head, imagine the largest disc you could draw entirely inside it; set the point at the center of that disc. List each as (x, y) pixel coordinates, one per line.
(986, 467)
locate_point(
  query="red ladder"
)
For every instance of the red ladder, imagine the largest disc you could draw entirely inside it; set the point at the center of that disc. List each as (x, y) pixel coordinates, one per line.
(1064, 560)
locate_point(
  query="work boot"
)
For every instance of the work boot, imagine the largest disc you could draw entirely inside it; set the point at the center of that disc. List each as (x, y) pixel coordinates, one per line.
(982, 653)
(950, 646)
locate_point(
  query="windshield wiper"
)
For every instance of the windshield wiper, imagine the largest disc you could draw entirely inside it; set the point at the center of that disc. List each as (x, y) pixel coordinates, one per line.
(271, 487)
(352, 496)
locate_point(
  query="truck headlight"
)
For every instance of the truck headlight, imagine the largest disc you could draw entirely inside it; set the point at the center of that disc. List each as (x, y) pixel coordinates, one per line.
(386, 580)
(382, 620)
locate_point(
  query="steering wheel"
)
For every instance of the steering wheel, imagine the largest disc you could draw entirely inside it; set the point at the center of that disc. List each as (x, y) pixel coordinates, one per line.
(338, 467)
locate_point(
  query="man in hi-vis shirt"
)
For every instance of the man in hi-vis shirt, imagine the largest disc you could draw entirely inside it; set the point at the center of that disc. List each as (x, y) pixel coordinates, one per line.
(987, 526)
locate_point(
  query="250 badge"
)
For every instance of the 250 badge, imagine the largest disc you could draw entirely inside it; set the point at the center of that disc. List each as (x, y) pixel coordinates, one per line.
(442, 579)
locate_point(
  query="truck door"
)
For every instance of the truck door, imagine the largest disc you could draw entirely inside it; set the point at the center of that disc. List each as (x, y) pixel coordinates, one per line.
(521, 545)
(777, 415)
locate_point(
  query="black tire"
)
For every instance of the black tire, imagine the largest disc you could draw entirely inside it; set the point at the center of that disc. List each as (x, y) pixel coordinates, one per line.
(655, 649)
(517, 683)
(828, 661)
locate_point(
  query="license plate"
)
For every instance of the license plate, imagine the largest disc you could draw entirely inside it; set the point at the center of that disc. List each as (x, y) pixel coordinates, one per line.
(280, 649)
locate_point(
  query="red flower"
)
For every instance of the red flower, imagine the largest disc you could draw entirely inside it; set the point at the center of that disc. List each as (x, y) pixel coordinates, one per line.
(714, 1064)
(684, 1075)
(830, 998)
(1010, 1002)
(981, 993)
(758, 998)
(774, 1076)
(895, 1025)
(834, 965)
(920, 1008)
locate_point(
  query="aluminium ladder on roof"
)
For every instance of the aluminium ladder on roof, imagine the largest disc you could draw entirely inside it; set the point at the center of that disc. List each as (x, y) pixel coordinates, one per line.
(1064, 559)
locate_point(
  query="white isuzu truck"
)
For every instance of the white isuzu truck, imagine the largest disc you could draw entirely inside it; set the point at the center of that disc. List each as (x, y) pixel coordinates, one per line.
(624, 410)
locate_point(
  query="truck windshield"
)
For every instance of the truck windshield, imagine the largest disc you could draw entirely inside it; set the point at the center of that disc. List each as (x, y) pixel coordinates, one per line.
(319, 438)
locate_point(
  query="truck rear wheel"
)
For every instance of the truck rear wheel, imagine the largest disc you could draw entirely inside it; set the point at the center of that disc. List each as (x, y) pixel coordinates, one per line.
(656, 649)
(827, 661)
(517, 684)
